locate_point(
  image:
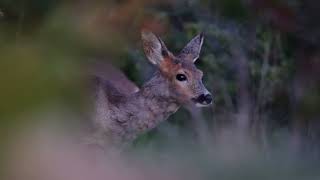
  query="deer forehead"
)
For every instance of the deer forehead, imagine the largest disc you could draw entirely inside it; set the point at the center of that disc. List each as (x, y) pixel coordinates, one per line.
(169, 66)
(172, 66)
(191, 70)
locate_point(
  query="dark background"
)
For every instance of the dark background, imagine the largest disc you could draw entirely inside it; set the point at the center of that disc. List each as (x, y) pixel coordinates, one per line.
(260, 58)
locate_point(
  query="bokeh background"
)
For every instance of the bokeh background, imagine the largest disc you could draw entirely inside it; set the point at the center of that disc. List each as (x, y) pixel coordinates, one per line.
(260, 58)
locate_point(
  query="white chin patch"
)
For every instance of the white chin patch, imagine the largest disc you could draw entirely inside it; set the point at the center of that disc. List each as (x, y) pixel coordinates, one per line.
(202, 105)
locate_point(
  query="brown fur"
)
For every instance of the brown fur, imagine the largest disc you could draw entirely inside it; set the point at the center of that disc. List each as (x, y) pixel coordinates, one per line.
(121, 117)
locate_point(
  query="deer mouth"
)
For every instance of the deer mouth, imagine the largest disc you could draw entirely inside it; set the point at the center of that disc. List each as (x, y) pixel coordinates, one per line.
(203, 100)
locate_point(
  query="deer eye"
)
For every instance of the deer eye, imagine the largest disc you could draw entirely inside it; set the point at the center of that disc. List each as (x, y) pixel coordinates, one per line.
(181, 77)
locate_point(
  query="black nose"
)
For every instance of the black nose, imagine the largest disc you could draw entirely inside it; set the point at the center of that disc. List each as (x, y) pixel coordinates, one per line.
(205, 99)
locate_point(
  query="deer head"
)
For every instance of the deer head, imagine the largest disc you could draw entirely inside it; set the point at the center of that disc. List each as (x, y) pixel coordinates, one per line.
(185, 80)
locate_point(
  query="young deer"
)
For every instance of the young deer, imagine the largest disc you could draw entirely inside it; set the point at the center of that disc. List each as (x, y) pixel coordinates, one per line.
(122, 116)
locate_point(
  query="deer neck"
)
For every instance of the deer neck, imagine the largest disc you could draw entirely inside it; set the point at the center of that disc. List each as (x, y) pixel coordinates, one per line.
(151, 105)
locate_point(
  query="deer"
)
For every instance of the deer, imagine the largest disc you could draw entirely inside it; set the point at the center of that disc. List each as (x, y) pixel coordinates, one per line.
(124, 113)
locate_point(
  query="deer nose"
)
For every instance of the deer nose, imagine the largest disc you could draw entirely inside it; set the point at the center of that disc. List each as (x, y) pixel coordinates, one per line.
(205, 99)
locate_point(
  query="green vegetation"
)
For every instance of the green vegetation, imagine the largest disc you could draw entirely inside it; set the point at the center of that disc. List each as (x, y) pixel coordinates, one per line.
(260, 60)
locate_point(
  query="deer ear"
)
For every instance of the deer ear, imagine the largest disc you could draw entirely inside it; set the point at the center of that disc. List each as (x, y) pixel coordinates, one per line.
(153, 47)
(192, 50)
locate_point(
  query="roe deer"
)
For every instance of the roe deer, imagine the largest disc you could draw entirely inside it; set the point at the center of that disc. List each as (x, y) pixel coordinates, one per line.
(122, 116)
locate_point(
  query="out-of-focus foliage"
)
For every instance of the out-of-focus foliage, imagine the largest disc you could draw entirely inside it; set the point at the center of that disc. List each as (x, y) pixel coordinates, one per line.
(260, 59)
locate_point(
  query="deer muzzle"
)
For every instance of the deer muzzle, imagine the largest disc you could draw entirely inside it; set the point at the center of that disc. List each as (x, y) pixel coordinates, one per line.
(203, 100)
